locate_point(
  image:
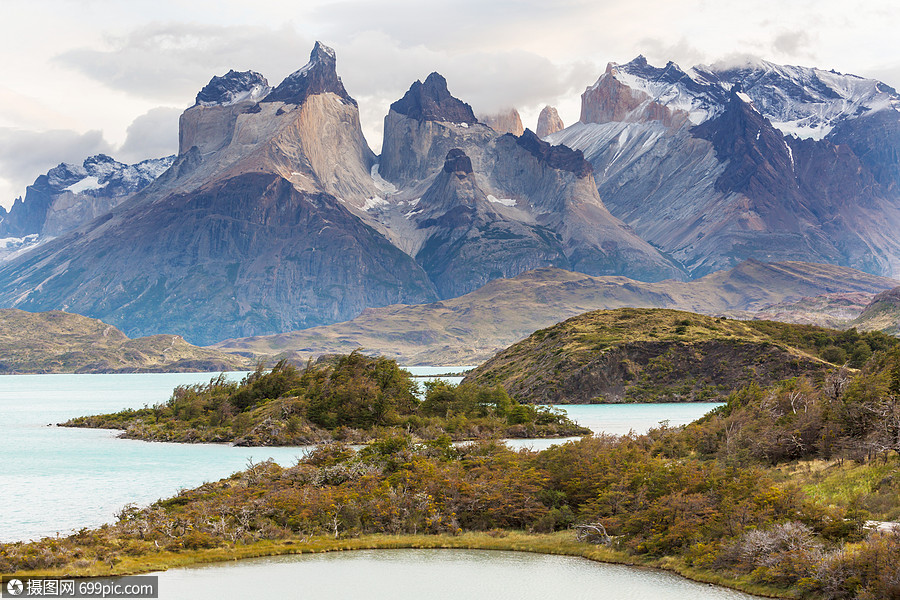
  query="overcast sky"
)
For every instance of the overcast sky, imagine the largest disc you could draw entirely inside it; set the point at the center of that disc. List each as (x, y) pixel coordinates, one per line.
(88, 76)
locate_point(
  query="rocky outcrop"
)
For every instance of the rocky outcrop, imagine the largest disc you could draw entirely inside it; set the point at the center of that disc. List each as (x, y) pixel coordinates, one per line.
(432, 101)
(505, 121)
(559, 191)
(421, 127)
(638, 92)
(233, 87)
(307, 130)
(646, 355)
(548, 122)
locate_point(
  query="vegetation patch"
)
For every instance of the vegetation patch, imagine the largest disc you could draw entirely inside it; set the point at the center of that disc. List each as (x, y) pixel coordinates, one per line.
(351, 398)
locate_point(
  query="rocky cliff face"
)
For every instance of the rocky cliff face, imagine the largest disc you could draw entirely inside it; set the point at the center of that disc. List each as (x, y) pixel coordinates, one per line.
(468, 242)
(505, 121)
(421, 127)
(548, 122)
(698, 163)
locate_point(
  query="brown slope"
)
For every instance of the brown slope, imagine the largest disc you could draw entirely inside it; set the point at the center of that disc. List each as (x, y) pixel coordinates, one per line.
(471, 328)
(60, 342)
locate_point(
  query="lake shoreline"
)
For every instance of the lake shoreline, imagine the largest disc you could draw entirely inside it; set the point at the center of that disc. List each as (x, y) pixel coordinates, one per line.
(561, 543)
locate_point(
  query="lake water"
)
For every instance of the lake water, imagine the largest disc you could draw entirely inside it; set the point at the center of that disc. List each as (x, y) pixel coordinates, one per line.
(57, 479)
(431, 574)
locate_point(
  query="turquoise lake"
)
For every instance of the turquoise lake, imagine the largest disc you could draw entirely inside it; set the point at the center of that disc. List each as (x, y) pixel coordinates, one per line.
(56, 480)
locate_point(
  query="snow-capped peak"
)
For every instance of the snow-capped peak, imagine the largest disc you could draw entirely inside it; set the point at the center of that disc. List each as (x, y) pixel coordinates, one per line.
(233, 87)
(802, 101)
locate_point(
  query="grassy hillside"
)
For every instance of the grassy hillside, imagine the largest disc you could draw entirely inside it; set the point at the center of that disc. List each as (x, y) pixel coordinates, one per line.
(881, 314)
(470, 329)
(659, 355)
(60, 342)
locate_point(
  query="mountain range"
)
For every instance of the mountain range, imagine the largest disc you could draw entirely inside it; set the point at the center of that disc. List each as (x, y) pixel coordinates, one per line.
(276, 215)
(722, 163)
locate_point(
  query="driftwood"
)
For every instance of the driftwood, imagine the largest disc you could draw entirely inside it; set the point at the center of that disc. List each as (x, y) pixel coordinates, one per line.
(592, 533)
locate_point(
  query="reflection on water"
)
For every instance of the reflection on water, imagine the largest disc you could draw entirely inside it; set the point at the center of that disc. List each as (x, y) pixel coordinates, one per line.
(432, 575)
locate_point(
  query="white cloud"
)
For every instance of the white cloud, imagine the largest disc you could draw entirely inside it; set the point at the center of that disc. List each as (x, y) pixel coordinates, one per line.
(26, 154)
(170, 62)
(152, 135)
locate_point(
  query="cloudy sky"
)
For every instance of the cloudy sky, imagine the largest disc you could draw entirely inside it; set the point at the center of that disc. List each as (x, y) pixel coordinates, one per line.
(86, 76)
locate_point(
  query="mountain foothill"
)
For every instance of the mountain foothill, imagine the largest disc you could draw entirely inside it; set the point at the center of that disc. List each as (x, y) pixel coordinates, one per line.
(276, 215)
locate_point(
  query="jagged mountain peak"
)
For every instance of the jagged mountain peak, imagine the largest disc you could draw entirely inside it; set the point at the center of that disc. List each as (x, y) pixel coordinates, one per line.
(318, 76)
(432, 101)
(504, 121)
(549, 122)
(638, 91)
(557, 157)
(233, 87)
(457, 162)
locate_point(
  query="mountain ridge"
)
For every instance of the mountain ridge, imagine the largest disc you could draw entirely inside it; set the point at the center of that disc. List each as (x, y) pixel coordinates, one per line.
(470, 329)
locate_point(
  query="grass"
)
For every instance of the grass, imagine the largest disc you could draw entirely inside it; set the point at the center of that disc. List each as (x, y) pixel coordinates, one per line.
(873, 486)
(560, 543)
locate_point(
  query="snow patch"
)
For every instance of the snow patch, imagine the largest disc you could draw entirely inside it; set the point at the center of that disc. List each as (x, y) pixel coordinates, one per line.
(413, 213)
(374, 202)
(14, 242)
(88, 183)
(381, 183)
(503, 201)
(254, 94)
(747, 99)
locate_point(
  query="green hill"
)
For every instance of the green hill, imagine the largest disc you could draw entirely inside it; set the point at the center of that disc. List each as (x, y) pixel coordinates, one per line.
(60, 342)
(658, 355)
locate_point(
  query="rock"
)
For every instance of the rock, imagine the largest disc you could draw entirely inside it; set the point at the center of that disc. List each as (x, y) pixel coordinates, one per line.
(548, 122)
(232, 88)
(557, 157)
(425, 124)
(432, 101)
(505, 121)
(318, 76)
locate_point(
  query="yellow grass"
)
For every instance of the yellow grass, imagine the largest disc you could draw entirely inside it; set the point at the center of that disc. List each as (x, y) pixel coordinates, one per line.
(561, 543)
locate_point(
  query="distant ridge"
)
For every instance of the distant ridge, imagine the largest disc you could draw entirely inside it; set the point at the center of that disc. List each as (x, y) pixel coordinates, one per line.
(471, 328)
(59, 342)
